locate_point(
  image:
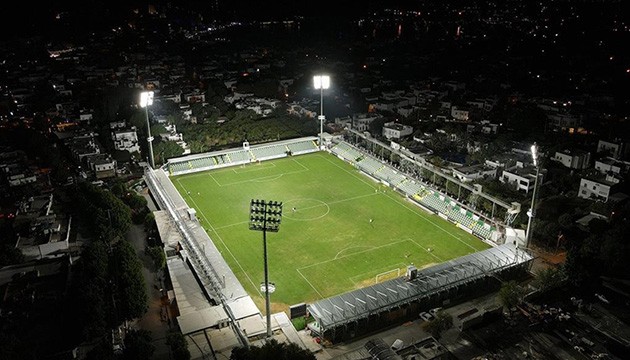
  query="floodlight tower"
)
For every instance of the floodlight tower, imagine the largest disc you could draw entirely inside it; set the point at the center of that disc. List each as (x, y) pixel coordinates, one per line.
(321, 82)
(146, 100)
(265, 216)
(531, 212)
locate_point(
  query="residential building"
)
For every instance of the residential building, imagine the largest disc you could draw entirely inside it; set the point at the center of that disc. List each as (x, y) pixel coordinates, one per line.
(520, 177)
(617, 149)
(460, 114)
(82, 146)
(573, 159)
(474, 172)
(126, 140)
(598, 188)
(393, 130)
(611, 166)
(103, 166)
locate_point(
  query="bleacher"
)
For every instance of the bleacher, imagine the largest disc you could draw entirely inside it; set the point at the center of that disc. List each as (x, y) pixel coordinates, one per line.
(347, 152)
(218, 159)
(303, 147)
(391, 176)
(239, 157)
(370, 165)
(414, 189)
(270, 152)
(410, 187)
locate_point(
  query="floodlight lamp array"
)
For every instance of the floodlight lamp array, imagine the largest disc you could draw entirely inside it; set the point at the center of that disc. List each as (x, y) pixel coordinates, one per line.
(265, 215)
(535, 154)
(146, 98)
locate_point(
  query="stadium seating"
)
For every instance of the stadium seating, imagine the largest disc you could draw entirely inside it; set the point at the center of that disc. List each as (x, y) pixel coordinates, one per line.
(414, 189)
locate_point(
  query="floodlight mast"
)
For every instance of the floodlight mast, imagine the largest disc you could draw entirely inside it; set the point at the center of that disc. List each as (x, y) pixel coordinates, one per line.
(531, 212)
(321, 82)
(146, 99)
(265, 216)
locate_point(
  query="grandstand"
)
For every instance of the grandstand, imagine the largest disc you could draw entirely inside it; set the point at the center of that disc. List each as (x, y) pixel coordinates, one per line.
(358, 311)
(416, 191)
(238, 156)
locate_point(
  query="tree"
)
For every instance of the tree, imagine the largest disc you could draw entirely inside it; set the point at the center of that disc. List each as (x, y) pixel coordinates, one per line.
(156, 253)
(10, 255)
(548, 278)
(101, 351)
(511, 294)
(442, 322)
(138, 345)
(163, 150)
(178, 344)
(105, 215)
(131, 299)
(565, 221)
(90, 292)
(272, 349)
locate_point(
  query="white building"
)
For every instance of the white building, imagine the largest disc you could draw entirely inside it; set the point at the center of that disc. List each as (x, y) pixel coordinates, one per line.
(597, 189)
(611, 166)
(393, 130)
(460, 114)
(21, 178)
(171, 134)
(520, 178)
(617, 149)
(471, 173)
(573, 159)
(126, 140)
(103, 165)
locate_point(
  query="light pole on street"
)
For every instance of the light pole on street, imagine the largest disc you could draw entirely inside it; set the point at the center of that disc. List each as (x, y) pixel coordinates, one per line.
(321, 82)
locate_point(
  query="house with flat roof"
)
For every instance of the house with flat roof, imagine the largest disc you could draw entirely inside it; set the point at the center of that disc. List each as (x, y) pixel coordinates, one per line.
(474, 172)
(573, 159)
(523, 178)
(396, 131)
(598, 188)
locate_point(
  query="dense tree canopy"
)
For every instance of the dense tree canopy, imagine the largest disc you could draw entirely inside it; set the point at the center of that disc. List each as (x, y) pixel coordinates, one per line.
(138, 345)
(131, 296)
(272, 350)
(442, 322)
(104, 215)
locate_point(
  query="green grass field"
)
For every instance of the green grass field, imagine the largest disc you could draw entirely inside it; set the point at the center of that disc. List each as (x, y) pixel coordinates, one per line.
(328, 245)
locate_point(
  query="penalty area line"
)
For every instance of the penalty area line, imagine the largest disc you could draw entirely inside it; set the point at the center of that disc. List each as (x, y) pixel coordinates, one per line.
(309, 283)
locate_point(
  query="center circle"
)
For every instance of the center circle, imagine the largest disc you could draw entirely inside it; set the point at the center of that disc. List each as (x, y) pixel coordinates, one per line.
(305, 209)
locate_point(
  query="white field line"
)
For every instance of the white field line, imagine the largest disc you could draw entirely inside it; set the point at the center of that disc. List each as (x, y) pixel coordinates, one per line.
(258, 179)
(307, 208)
(431, 221)
(225, 245)
(355, 253)
(305, 279)
(362, 178)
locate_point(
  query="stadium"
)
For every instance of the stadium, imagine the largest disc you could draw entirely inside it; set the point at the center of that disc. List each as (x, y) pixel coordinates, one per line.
(361, 243)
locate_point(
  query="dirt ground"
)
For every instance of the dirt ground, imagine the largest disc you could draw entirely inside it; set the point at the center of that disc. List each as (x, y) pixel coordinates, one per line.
(545, 258)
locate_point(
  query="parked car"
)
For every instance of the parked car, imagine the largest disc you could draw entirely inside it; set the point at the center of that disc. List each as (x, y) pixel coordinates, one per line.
(426, 316)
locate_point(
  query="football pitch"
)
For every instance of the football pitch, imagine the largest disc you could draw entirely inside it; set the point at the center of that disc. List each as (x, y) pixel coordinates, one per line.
(340, 229)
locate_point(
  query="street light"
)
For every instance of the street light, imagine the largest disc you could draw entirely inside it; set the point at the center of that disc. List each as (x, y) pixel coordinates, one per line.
(265, 216)
(531, 212)
(146, 100)
(321, 82)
